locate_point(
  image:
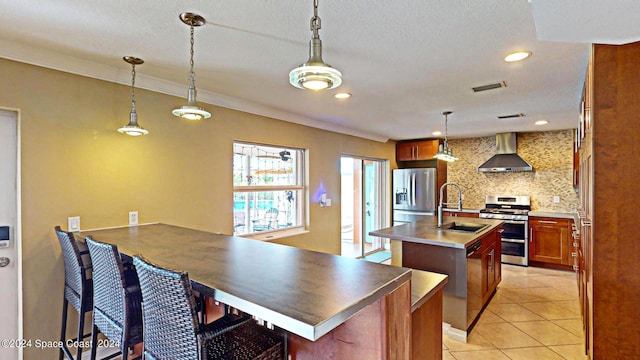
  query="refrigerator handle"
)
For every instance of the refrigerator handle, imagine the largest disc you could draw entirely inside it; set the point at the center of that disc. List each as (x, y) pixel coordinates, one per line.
(410, 190)
(413, 193)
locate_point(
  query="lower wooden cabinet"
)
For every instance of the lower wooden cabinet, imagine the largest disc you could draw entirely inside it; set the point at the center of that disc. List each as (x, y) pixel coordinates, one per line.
(491, 264)
(550, 241)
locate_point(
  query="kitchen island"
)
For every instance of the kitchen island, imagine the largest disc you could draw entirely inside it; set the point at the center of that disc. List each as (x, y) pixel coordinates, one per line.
(470, 258)
(330, 305)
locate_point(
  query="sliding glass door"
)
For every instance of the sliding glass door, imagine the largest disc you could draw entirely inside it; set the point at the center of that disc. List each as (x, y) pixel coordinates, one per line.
(362, 206)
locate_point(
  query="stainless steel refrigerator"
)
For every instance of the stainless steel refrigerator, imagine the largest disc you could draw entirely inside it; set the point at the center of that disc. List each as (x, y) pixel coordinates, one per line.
(414, 194)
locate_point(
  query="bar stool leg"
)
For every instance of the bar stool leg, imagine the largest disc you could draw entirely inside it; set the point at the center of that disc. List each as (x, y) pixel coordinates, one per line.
(81, 315)
(94, 342)
(63, 326)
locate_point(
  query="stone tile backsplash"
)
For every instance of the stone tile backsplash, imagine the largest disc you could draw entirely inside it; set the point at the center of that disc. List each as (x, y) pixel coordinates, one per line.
(551, 155)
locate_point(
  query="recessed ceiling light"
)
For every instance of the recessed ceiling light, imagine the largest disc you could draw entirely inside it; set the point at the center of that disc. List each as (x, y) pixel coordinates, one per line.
(436, 133)
(517, 56)
(541, 122)
(342, 95)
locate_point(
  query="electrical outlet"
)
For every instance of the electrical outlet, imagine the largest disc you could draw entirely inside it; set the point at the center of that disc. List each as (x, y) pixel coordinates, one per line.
(133, 218)
(73, 223)
(556, 199)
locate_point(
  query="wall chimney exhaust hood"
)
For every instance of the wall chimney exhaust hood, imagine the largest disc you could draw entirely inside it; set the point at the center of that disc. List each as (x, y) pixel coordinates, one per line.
(506, 159)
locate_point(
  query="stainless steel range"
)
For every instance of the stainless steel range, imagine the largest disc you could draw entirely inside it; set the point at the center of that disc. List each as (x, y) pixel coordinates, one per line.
(514, 211)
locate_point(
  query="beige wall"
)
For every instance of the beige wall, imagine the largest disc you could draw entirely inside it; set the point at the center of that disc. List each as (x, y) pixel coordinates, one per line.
(551, 155)
(74, 163)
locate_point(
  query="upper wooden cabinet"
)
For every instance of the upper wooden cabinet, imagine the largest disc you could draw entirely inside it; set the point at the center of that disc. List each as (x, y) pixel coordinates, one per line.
(416, 150)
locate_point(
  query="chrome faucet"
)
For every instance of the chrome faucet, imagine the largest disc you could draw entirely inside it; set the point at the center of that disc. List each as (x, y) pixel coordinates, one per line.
(459, 203)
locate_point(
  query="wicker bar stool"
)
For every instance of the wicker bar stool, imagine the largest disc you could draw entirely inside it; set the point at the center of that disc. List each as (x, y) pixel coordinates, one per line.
(172, 330)
(117, 310)
(78, 288)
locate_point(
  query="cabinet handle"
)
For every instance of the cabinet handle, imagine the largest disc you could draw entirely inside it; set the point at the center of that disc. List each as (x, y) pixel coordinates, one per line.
(492, 260)
(576, 268)
(574, 254)
(531, 235)
(417, 152)
(546, 222)
(575, 244)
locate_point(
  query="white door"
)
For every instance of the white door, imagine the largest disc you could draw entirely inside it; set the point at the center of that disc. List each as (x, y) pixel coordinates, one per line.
(9, 332)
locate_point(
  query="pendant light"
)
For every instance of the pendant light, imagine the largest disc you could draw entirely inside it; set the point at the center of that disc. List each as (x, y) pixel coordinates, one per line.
(132, 128)
(444, 153)
(192, 111)
(315, 74)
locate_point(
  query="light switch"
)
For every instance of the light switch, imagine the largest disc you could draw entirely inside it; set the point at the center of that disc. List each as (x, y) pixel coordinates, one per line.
(133, 218)
(73, 223)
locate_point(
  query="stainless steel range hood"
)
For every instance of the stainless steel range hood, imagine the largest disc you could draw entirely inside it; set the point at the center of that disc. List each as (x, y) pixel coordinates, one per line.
(506, 158)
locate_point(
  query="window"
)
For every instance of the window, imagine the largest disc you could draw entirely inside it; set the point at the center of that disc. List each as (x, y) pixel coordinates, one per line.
(268, 188)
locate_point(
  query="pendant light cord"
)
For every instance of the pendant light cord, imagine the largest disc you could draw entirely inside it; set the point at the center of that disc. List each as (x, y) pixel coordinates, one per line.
(191, 72)
(133, 87)
(316, 23)
(446, 129)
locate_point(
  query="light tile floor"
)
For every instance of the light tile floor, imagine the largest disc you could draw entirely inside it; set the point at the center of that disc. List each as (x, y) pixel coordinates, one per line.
(535, 315)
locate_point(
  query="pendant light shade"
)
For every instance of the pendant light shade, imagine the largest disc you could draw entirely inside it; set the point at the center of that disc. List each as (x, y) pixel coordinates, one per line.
(191, 111)
(132, 128)
(315, 74)
(444, 153)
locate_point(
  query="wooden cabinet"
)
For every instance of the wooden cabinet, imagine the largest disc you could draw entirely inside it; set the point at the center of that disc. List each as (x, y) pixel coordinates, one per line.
(416, 150)
(460, 214)
(491, 264)
(608, 214)
(549, 240)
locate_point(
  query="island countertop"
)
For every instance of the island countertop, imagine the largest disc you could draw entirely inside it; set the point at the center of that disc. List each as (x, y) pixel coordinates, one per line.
(426, 232)
(304, 292)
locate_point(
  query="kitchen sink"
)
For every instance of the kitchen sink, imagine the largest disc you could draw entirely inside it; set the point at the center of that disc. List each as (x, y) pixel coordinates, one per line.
(463, 226)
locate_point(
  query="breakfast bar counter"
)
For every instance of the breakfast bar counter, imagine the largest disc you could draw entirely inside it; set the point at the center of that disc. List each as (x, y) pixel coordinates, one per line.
(307, 293)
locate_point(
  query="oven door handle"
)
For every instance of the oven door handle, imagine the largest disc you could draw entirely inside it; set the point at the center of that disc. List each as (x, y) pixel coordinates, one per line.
(517, 222)
(517, 241)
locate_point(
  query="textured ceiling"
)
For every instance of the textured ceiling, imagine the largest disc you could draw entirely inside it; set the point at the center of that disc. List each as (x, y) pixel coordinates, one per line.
(404, 61)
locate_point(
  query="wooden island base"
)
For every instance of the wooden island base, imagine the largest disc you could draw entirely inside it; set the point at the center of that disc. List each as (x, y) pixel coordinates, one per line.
(379, 331)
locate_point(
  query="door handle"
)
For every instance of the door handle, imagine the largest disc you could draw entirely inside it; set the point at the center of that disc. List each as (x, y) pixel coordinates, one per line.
(4, 261)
